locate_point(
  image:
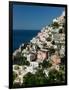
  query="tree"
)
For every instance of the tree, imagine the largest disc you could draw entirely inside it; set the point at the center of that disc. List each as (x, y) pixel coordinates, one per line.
(56, 76)
(61, 31)
(14, 76)
(27, 63)
(16, 67)
(37, 79)
(46, 64)
(40, 77)
(51, 50)
(55, 25)
(29, 79)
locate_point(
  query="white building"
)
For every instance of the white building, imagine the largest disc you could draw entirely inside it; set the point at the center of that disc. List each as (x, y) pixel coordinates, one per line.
(31, 56)
(34, 64)
(55, 20)
(62, 51)
(46, 72)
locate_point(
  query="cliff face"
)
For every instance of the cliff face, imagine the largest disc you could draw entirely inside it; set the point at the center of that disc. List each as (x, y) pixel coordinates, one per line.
(48, 45)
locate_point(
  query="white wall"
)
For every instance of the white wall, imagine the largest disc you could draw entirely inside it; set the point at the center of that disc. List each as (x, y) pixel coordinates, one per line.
(4, 28)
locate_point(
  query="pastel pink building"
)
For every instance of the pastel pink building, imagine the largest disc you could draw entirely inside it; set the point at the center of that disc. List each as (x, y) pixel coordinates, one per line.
(55, 59)
(42, 55)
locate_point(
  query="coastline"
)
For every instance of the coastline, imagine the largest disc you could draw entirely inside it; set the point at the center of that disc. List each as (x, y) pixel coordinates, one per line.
(44, 53)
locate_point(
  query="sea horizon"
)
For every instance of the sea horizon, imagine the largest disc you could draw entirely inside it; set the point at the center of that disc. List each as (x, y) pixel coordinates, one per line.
(23, 36)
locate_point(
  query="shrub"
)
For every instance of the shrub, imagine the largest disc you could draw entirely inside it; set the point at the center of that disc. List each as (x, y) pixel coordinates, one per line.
(46, 64)
(56, 76)
(55, 25)
(34, 79)
(29, 79)
(48, 39)
(14, 76)
(61, 31)
(16, 67)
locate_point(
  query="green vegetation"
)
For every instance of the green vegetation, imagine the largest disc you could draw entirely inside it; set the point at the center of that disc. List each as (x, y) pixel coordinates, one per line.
(51, 50)
(61, 31)
(46, 64)
(34, 79)
(14, 76)
(39, 78)
(56, 76)
(55, 25)
(16, 67)
(48, 71)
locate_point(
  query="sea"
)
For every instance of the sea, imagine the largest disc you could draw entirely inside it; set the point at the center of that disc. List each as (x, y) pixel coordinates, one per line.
(22, 36)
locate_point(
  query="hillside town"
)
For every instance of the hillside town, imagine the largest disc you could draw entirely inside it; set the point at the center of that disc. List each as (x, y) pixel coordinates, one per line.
(48, 45)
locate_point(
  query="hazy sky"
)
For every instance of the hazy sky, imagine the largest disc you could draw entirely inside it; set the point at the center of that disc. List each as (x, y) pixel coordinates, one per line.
(34, 17)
